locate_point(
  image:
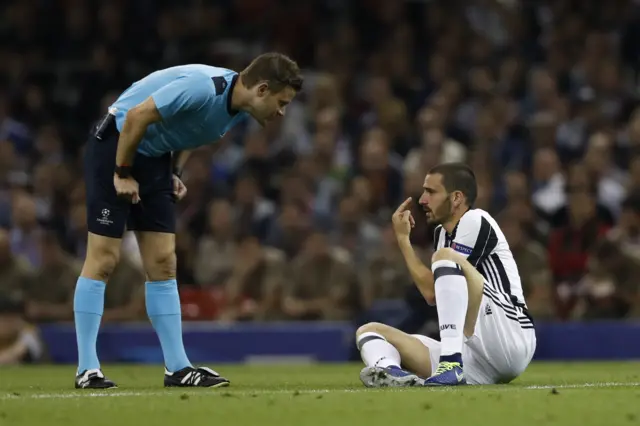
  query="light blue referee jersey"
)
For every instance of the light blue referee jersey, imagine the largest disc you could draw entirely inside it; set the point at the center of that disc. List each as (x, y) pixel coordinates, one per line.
(194, 102)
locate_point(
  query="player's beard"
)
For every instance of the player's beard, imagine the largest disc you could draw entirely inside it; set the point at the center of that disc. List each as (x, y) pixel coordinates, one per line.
(442, 214)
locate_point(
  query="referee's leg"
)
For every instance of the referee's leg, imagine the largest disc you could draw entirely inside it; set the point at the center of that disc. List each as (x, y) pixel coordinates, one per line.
(157, 250)
(106, 221)
(88, 302)
(163, 307)
(154, 224)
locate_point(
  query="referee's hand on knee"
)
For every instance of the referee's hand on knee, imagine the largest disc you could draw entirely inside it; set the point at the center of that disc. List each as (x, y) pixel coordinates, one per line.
(127, 188)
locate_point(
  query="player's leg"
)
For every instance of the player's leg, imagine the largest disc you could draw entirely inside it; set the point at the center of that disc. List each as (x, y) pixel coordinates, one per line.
(458, 299)
(154, 223)
(106, 218)
(386, 351)
(503, 343)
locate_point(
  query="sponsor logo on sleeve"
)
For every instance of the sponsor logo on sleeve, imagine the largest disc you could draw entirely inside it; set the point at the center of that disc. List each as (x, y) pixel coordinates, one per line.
(461, 248)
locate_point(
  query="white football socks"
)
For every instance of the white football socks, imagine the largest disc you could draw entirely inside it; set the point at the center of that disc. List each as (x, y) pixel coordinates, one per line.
(452, 298)
(376, 351)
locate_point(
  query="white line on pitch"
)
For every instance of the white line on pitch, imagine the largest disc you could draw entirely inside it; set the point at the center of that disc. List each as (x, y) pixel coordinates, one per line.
(292, 391)
(583, 385)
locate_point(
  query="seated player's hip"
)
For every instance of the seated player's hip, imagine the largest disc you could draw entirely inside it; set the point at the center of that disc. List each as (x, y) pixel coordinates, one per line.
(497, 300)
(504, 338)
(107, 213)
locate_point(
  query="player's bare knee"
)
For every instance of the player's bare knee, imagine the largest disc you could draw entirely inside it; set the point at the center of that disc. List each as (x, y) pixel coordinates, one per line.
(442, 265)
(372, 327)
(161, 265)
(442, 254)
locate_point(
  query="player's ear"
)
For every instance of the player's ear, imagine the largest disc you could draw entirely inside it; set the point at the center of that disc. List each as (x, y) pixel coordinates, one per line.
(457, 198)
(263, 88)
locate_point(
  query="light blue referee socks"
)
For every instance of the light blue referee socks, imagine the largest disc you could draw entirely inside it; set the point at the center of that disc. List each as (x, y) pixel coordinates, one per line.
(163, 308)
(88, 306)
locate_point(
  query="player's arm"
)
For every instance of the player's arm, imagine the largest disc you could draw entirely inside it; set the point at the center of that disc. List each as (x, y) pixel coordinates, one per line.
(421, 274)
(469, 271)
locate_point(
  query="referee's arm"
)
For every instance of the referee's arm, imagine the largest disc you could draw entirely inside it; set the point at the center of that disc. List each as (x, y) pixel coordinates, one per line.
(177, 97)
(135, 125)
(180, 159)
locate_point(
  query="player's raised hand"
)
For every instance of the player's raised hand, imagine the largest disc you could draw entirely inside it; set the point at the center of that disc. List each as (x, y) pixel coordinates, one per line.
(127, 188)
(403, 219)
(179, 189)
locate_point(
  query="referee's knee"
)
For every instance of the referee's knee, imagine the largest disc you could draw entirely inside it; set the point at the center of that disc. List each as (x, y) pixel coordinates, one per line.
(100, 261)
(161, 265)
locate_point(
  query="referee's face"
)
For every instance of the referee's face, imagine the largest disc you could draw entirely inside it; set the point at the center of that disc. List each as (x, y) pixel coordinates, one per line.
(435, 199)
(269, 105)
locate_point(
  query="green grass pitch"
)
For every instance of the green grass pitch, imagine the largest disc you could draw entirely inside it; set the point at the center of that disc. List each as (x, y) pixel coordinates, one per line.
(580, 394)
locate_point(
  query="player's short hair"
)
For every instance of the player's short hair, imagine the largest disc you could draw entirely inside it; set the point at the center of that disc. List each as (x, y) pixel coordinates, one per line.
(458, 177)
(278, 70)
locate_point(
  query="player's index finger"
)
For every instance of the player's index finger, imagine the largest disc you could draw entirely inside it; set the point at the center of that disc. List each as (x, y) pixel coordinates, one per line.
(404, 205)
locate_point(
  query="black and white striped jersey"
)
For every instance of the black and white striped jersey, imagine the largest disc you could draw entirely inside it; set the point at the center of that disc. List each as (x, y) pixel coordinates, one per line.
(478, 237)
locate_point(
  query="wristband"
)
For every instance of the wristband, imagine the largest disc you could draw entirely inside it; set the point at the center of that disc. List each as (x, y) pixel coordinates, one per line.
(123, 171)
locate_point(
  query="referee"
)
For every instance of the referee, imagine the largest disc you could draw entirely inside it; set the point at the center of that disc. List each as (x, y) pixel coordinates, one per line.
(132, 173)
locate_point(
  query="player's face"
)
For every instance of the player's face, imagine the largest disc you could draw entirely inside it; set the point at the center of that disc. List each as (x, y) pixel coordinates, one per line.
(270, 105)
(435, 199)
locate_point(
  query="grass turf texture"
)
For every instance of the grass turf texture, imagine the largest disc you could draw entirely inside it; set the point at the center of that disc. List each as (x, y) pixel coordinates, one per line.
(565, 394)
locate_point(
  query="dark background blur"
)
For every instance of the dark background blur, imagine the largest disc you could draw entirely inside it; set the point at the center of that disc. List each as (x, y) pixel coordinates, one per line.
(293, 221)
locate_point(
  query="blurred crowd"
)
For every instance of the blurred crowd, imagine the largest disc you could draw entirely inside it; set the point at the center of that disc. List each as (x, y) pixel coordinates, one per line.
(293, 221)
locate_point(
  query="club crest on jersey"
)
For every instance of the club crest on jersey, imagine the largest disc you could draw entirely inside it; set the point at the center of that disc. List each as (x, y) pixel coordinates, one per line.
(461, 248)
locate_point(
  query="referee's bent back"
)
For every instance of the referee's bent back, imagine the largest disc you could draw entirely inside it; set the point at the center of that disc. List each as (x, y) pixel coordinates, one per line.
(194, 102)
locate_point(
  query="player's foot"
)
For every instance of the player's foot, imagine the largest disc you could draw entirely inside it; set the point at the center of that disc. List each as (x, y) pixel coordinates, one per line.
(201, 377)
(93, 379)
(381, 377)
(447, 374)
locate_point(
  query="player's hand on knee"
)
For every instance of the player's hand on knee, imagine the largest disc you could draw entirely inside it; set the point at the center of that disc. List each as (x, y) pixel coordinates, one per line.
(179, 189)
(127, 188)
(403, 219)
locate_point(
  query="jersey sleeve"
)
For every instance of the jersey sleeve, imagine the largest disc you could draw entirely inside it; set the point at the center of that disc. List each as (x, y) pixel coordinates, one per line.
(475, 238)
(183, 94)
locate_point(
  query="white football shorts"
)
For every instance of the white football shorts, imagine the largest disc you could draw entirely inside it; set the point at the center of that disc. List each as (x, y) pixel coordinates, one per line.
(501, 347)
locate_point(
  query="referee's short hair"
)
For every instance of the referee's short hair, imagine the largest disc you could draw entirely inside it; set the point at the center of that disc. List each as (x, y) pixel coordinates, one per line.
(458, 177)
(276, 69)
